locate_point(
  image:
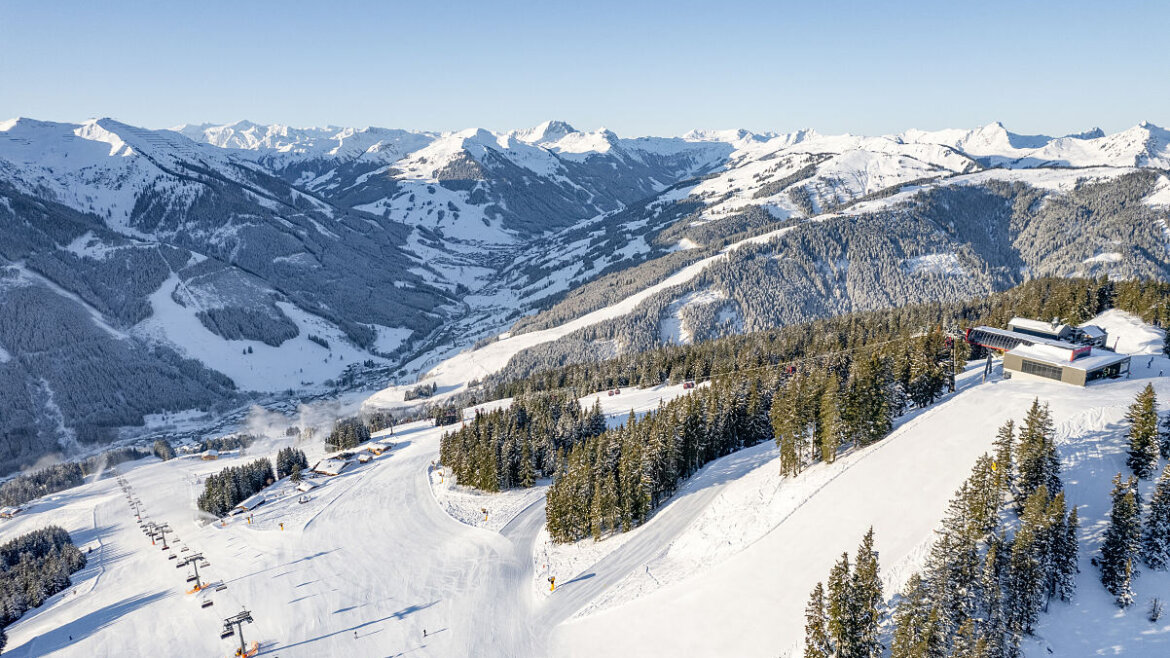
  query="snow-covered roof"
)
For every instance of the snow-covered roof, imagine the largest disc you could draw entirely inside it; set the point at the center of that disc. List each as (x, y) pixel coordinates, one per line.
(1092, 331)
(1038, 325)
(252, 502)
(331, 465)
(1026, 338)
(306, 485)
(1058, 356)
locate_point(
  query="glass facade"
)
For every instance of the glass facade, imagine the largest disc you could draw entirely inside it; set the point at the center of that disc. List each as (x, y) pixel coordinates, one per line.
(1040, 369)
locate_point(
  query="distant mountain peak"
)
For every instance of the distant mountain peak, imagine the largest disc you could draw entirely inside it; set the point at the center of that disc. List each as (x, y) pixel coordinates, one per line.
(549, 131)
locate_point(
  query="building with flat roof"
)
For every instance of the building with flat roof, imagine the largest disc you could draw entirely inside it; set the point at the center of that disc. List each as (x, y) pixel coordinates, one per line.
(1074, 365)
(1033, 349)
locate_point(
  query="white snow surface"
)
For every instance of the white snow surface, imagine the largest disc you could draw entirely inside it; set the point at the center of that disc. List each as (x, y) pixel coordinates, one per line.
(297, 363)
(724, 568)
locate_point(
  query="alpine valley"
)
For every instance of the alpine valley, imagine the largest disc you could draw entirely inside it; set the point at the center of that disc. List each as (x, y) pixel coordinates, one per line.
(152, 276)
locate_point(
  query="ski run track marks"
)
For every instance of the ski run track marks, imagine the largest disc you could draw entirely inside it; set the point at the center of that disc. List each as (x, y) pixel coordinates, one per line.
(377, 555)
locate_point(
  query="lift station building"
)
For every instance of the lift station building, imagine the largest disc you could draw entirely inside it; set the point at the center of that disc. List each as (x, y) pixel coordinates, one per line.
(1073, 355)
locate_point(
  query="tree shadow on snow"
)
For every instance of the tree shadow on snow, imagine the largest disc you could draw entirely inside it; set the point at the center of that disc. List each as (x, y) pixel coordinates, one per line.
(584, 576)
(281, 566)
(59, 638)
(401, 614)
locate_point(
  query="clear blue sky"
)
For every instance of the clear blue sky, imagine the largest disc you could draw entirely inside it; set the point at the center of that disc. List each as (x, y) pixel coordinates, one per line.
(634, 67)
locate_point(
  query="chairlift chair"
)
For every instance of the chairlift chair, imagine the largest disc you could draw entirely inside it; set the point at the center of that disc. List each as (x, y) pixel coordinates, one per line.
(228, 632)
(206, 604)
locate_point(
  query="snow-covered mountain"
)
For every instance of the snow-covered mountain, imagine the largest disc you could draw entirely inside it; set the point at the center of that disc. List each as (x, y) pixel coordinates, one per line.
(724, 567)
(275, 258)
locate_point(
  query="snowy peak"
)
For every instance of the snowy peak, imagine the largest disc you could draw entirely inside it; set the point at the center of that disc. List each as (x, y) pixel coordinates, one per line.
(294, 144)
(549, 131)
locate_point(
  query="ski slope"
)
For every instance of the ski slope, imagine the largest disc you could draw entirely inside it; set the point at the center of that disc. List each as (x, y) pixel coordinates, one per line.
(376, 556)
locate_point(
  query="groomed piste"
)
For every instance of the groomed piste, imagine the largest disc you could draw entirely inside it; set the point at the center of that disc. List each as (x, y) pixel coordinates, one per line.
(387, 558)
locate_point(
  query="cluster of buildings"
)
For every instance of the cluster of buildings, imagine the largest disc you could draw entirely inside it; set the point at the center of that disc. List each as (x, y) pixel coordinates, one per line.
(1051, 350)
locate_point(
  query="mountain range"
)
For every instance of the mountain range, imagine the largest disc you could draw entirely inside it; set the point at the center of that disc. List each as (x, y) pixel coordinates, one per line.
(149, 273)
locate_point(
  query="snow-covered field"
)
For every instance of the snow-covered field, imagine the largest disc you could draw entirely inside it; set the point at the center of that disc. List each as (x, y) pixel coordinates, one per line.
(377, 554)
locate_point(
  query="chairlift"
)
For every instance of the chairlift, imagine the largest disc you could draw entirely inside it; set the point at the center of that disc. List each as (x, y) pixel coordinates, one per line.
(206, 604)
(191, 579)
(184, 549)
(228, 632)
(221, 588)
(172, 556)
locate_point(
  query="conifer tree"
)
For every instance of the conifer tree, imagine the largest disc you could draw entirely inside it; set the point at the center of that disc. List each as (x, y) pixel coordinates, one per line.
(816, 631)
(1066, 557)
(829, 423)
(918, 629)
(1121, 541)
(968, 643)
(1036, 460)
(993, 629)
(1025, 579)
(842, 622)
(1164, 438)
(1143, 433)
(1004, 462)
(867, 599)
(1155, 544)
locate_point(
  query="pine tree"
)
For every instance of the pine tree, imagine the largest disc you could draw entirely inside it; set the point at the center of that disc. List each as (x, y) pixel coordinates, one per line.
(1004, 463)
(816, 631)
(842, 623)
(1164, 436)
(1025, 579)
(1036, 460)
(829, 423)
(867, 599)
(1121, 542)
(968, 644)
(918, 628)
(1143, 433)
(993, 629)
(1066, 557)
(1155, 543)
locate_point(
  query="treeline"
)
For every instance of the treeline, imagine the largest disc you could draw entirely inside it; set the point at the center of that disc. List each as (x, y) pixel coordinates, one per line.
(1072, 299)
(290, 460)
(420, 391)
(1129, 540)
(513, 447)
(981, 591)
(347, 433)
(33, 567)
(379, 420)
(612, 482)
(855, 398)
(229, 442)
(51, 479)
(58, 477)
(224, 490)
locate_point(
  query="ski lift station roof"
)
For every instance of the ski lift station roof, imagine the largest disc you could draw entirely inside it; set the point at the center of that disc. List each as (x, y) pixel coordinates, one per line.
(1038, 326)
(1071, 364)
